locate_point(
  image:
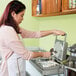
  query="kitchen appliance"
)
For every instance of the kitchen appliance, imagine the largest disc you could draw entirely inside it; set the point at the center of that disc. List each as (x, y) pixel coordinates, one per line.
(72, 57)
(58, 53)
(60, 48)
(52, 65)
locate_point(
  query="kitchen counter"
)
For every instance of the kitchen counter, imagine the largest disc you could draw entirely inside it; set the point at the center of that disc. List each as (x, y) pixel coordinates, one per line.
(41, 71)
(47, 71)
(67, 67)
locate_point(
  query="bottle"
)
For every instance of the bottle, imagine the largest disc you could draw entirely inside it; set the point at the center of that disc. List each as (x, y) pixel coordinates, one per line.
(38, 8)
(70, 63)
(38, 11)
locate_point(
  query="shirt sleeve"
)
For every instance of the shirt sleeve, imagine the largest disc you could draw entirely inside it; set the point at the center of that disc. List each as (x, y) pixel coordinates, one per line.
(29, 34)
(13, 43)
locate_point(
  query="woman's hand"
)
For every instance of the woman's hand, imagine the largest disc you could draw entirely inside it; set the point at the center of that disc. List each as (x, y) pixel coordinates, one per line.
(46, 54)
(58, 32)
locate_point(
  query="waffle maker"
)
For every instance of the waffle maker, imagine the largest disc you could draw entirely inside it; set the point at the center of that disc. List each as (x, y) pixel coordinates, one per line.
(72, 57)
(60, 49)
(58, 52)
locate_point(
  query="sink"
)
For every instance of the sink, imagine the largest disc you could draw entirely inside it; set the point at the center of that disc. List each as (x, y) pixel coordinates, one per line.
(45, 63)
(46, 66)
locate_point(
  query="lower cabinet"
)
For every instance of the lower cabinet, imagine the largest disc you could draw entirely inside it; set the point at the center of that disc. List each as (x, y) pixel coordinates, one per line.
(31, 70)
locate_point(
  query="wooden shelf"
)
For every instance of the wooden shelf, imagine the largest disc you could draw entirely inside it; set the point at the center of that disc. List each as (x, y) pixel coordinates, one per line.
(52, 8)
(55, 14)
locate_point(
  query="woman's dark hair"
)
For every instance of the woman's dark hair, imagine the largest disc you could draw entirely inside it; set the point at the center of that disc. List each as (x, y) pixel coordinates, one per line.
(7, 19)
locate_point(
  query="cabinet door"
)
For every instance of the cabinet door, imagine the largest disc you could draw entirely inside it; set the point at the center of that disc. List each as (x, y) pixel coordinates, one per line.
(65, 5)
(50, 6)
(68, 5)
(34, 6)
(53, 7)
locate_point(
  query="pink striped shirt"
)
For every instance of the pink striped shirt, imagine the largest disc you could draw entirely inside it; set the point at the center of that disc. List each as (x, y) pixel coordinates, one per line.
(10, 43)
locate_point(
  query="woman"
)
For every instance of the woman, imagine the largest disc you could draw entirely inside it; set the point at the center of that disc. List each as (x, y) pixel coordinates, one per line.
(12, 50)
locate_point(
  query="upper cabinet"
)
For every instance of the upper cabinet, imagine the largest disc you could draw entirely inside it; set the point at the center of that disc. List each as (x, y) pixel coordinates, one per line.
(42, 8)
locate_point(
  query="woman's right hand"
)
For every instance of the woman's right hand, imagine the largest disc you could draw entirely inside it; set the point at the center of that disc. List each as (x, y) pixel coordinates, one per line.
(40, 54)
(46, 54)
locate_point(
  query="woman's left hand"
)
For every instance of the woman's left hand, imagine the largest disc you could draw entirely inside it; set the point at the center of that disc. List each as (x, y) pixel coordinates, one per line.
(58, 32)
